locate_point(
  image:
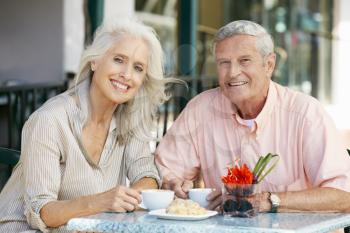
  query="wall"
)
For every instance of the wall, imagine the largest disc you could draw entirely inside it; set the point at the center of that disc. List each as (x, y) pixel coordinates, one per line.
(31, 40)
(74, 29)
(119, 8)
(340, 108)
(210, 13)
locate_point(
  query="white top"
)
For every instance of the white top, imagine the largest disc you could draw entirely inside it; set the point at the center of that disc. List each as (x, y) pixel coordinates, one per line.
(249, 122)
(54, 165)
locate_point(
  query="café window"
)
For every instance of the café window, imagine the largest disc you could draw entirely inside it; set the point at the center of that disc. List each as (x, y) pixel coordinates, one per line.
(302, 33)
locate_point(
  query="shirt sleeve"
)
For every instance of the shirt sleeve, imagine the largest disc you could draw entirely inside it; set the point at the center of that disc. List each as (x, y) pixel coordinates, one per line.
(327, 163)
(177, 153)
(140, 161)
(41, 166)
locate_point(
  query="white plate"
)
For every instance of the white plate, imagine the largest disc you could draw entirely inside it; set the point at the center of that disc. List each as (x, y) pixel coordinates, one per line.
(162, 214)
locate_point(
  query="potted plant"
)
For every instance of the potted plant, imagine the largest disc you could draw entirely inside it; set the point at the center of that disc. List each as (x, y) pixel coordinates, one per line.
(241, 186)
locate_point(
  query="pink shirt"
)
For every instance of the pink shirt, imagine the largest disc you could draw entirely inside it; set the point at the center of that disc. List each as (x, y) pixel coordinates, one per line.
(209, 134)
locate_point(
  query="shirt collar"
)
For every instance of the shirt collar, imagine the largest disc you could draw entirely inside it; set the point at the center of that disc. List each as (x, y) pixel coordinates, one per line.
(263, 116)
(84, 105)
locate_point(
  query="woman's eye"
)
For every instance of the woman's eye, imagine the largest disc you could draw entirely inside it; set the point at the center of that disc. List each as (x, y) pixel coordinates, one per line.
(118, 59)
(138, 68)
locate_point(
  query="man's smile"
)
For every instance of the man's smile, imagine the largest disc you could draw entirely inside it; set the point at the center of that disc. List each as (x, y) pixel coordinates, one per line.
(236, 83)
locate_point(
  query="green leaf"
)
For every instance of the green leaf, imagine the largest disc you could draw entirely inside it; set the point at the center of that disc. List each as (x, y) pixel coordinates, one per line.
(263, 164)
(257, 165)
(270, 169)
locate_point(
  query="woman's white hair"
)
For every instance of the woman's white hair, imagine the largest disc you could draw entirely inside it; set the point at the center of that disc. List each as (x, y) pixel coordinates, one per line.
(244, 27)
(135, 116)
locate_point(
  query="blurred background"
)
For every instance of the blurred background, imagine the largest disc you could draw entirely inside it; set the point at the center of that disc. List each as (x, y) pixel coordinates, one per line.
(41, 42)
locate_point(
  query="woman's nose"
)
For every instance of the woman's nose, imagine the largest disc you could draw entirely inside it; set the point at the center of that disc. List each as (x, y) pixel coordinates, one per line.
(125, 72)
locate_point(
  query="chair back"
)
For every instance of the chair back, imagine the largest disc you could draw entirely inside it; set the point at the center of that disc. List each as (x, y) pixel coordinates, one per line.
(8, 159)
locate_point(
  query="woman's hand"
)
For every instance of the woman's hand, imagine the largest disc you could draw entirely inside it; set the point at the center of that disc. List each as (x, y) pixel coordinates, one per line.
(119, 199)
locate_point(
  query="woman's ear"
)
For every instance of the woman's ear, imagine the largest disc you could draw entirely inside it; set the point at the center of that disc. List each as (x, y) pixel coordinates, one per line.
(93, 65)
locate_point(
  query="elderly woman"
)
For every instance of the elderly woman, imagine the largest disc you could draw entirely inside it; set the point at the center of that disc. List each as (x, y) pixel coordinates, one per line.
(81, 146)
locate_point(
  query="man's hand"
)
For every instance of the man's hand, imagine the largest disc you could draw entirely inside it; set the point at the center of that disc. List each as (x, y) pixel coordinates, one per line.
(214, 199)
(180, 187)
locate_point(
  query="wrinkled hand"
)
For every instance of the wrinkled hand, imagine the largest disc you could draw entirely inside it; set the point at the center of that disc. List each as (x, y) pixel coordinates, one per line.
(180, 187)
(119, 199)
(264, 202)
(215, 199)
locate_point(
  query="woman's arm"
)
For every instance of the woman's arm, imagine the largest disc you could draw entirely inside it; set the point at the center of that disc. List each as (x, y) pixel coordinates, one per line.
(140, 166)
(145, 183)
(119, 199)
(41, 158)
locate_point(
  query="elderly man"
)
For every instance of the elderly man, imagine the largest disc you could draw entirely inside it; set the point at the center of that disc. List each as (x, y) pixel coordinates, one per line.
(248, 116)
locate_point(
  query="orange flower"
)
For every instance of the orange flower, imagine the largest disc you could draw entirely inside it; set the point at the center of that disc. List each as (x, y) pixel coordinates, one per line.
(243, 175)
(238, 175)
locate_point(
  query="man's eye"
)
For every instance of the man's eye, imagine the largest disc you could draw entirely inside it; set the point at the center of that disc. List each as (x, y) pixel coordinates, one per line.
(118, 60)
(245, 61)
(224, 62)
(138, 68)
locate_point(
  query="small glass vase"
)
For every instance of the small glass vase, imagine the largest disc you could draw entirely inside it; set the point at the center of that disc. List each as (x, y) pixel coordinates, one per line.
(240, 200)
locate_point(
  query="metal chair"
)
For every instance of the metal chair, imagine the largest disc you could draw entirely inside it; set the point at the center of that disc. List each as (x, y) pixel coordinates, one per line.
(8, 159)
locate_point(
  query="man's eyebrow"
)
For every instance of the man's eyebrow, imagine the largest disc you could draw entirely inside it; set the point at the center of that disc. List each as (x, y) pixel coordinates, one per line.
(245, 56)
(222, 59)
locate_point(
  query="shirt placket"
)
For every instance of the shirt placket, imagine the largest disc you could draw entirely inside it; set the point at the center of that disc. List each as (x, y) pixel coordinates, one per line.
(249, 154)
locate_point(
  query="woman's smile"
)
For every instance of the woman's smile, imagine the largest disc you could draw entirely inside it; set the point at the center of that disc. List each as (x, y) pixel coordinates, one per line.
(119, 86)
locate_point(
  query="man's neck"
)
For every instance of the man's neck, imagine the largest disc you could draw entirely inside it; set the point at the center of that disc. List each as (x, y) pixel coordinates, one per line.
(250, 110)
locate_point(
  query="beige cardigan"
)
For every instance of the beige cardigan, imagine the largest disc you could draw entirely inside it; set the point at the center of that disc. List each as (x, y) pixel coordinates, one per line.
(54, 165)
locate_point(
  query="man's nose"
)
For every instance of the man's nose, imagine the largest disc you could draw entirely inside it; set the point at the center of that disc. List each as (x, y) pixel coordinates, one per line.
(235, 69)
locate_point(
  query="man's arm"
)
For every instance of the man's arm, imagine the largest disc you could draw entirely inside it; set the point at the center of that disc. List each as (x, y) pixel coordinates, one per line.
(321, 199)
(180, 187)
(311, 200)
(176, 155)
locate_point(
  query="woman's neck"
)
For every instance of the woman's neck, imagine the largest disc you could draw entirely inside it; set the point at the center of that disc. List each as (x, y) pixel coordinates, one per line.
(101, 109)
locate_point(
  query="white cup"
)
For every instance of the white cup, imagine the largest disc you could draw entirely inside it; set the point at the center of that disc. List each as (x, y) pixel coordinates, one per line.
(154, 199)
(199, 195)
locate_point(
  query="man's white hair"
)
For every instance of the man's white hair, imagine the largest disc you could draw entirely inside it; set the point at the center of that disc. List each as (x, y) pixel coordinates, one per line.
(244, 27)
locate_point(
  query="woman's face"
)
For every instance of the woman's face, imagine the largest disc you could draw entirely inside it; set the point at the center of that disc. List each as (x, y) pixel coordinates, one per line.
(119, 73)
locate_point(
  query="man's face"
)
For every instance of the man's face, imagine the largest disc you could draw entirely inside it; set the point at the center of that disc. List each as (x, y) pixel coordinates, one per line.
(244, 75)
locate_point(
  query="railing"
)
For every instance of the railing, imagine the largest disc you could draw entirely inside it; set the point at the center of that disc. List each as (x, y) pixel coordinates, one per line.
(181, 94)
(18, 102)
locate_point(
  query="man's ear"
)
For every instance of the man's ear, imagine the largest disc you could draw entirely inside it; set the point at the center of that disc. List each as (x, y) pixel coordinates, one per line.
(270, 63)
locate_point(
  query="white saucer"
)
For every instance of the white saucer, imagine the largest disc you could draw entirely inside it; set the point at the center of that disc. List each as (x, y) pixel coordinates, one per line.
(162, 214)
